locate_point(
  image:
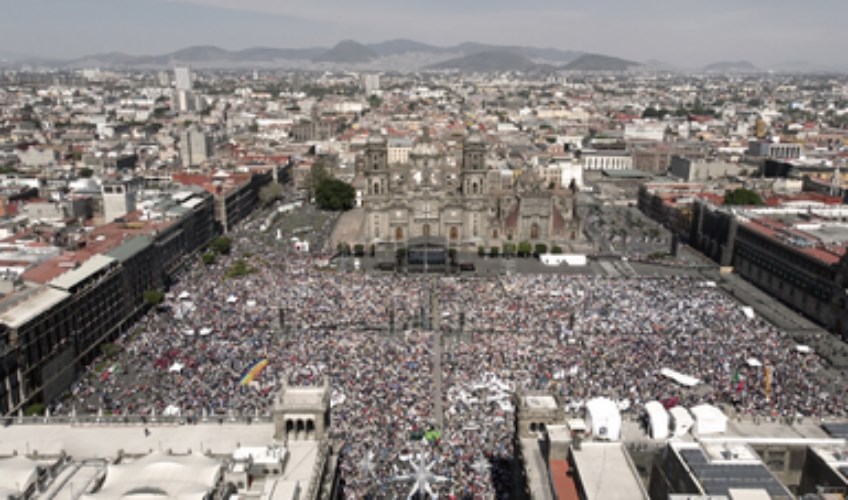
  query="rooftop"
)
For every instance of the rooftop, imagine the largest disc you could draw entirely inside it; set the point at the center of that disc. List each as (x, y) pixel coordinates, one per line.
(605, 472)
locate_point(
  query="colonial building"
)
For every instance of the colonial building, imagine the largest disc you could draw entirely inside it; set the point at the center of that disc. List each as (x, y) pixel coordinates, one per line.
(467, 204)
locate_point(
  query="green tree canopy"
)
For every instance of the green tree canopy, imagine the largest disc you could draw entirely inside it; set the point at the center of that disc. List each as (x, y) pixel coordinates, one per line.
(221, 245)
(270, 192)
(333, 194)
(153, 297)
(742, 196)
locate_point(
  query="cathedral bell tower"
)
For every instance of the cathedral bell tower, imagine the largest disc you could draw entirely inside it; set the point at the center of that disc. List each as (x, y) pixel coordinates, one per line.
(376, 166)
(473, 166)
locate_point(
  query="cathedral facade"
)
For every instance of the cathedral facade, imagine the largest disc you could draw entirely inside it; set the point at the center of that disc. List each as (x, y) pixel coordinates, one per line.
(466, 204)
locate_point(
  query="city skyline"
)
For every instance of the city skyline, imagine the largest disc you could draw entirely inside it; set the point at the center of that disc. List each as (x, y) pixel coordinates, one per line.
(687, 34)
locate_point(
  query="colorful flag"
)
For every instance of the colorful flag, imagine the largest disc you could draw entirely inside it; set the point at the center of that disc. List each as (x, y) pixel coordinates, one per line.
(254, 371)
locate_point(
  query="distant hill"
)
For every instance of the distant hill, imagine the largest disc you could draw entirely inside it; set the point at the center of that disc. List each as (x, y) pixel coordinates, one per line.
(401, 46)
(657, 65)
(597, 62)
(347, 51)
(731, 67)
(269, 54)
(488, 62)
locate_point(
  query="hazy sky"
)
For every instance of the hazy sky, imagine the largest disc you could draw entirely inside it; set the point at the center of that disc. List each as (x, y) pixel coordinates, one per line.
(683, 32)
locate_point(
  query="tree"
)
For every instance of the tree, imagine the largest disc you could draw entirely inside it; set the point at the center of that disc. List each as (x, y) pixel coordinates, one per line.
(374, 101)
(359, 250)
(524, 249)
(221, 245)
(109, 349)
(35, 409)
(270, 192)
(85, 173)
(541, 248)
(208, 258)
(509, 249)
(239, 269)
(153, 297)
(481, 251)
(742, 196)
(556, 249)
(494, 251)
(333, 194)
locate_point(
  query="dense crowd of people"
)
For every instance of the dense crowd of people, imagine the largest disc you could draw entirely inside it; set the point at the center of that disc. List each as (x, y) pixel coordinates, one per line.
(578, 337)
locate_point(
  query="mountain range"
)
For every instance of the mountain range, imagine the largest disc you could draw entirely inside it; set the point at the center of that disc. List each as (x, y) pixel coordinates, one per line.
(402, 55)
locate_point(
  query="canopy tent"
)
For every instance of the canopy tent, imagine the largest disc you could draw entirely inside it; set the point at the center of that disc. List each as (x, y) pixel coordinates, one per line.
(680, 378)
(183, 295)
(17, 474)
(658, 420)
(603, 419)
(232, 299)
(176, 368)
(681, 420)
(804, 349)
(205, 331)
(708, 420)
(754, 362)
(183, 477)
(171, 411)
(748, 311)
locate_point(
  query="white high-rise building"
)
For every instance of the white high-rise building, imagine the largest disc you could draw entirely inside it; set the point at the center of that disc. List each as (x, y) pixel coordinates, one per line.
(195, 147)
(119, 199)
(182, 78)
(371, 82)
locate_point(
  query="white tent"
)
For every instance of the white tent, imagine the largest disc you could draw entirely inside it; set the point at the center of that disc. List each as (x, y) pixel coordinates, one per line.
(171, 411)
(803, 349)
(708, 420)
(183, 477)
(17, 474)
(748, 311)
(681, 420)
(176, 368)
(205, 331)
(184, 295)
(232, 299)
(603, 419)
(680, 378)
(754, 362)
(657, 420)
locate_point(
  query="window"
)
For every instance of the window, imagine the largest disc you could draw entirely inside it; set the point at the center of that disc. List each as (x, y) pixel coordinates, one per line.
(454, 233)
(534, 231)
(425, 230)
(398, 233)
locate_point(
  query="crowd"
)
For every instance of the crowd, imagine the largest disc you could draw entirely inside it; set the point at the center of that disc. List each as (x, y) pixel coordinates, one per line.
(576, 336)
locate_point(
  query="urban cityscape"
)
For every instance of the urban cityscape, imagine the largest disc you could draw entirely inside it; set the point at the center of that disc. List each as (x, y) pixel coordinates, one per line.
(401, 270)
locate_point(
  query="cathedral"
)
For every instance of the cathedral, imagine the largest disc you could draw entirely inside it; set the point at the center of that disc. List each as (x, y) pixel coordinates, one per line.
(465, 205)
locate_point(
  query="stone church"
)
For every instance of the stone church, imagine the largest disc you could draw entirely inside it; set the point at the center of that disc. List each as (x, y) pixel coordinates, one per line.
(466, 205)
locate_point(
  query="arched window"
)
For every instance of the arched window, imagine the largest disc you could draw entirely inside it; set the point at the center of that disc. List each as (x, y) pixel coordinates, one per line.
(474, 188)
(454, 233)
(534, 231)
(425, 230)
(495, 234)
(398, 233)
